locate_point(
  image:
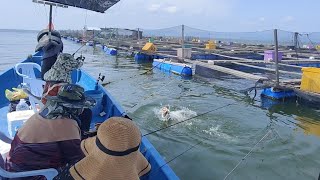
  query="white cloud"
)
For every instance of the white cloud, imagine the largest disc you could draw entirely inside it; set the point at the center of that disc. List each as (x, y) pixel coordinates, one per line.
(261, 19)
(288, 19)
(154, 7)
(171, 9)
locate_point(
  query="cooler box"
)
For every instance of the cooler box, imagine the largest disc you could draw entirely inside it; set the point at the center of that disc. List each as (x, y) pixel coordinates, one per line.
(310, 81)
(16, 119)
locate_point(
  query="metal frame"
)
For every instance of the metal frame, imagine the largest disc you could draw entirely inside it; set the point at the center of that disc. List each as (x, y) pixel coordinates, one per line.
(50, 3)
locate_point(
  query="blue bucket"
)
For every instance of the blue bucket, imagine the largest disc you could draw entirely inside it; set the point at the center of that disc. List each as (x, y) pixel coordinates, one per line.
(97, 96)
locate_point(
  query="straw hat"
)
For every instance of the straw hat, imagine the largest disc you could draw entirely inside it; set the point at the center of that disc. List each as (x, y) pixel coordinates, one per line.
(113, 153)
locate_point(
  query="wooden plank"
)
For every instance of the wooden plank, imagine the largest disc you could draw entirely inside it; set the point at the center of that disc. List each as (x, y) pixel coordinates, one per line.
(231, 71)
(266, 69)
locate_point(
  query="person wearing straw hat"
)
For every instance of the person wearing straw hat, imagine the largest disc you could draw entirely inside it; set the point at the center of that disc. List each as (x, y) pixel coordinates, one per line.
(51, 138)
(112, 154)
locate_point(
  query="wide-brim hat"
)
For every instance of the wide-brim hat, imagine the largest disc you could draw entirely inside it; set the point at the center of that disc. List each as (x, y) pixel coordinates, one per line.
(72, 96)
(113, 153)
(61, 70)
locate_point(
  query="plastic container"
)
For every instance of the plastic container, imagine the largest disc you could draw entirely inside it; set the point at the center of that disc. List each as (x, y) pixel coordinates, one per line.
(16, 119)
(97, 96)
(22, 105)
(310, 81)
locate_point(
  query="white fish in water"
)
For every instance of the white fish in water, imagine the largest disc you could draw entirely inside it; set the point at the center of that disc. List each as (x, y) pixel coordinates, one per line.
(165, 114)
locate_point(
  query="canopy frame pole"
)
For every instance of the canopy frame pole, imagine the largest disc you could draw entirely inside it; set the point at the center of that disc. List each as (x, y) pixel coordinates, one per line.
(50, 22)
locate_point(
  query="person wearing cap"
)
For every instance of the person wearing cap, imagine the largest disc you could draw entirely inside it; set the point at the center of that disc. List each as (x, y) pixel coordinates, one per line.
(112, 154)
(51, 46)
(50, 138)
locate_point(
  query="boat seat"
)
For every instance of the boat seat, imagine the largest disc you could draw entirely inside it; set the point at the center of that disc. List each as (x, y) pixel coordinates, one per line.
(4, 149)
(48, 173)
(35, 85)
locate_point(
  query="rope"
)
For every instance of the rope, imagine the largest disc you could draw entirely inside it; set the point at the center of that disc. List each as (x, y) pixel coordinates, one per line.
(312, 43)
(202, 114)
(246, 155)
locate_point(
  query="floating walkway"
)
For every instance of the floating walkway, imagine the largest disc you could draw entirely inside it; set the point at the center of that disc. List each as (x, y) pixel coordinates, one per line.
(176, 68)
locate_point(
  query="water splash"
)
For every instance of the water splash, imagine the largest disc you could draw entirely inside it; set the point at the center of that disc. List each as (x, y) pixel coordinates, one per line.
(180, 114)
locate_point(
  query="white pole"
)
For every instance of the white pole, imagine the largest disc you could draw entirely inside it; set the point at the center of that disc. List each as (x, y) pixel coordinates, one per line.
(182, 43)
(276, 56)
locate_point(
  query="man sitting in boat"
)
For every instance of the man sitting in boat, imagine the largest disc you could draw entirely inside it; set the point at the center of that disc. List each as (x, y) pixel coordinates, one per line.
(112, 154)
(50, 138)
(51, 47)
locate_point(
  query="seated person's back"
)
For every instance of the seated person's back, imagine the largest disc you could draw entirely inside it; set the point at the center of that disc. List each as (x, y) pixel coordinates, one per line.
(50, 139)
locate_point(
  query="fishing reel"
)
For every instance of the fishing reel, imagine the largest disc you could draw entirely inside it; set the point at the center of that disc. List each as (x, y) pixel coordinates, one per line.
(100, 78)
(81, 58)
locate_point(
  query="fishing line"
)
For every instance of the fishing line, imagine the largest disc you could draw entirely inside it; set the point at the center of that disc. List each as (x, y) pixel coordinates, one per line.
(202, 114)
(185, 151)
(85, 19)
(130, 77)
(55, 15)
(45, 9)
(153, 93)
(85, 44)
(244, 158)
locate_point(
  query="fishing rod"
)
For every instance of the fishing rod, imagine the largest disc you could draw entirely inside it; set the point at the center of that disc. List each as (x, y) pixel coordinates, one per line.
(85, 44)
(202, 114)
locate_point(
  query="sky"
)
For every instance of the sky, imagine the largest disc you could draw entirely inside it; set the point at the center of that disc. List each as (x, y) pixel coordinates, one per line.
(213, 15)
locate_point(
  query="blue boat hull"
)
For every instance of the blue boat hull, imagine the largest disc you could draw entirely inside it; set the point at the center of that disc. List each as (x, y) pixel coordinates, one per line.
(110, 107)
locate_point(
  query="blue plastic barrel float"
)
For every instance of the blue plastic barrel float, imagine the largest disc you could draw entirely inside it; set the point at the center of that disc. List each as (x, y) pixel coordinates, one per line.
(176, 68)
(143, 57)
(110, 51)
(278, 94)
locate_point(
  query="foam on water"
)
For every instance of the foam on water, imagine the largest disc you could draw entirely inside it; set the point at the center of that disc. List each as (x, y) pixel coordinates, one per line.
(216, 131)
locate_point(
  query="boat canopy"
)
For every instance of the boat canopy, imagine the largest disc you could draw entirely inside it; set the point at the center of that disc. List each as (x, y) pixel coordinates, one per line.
(93, 5)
